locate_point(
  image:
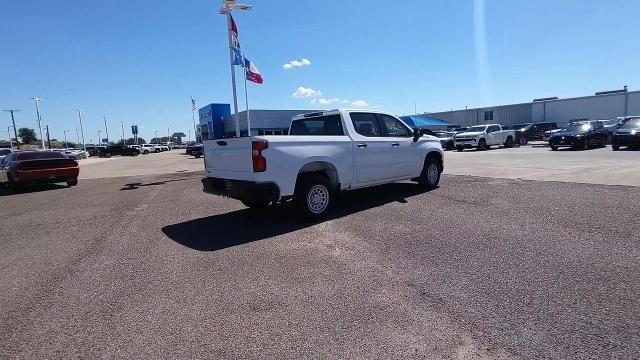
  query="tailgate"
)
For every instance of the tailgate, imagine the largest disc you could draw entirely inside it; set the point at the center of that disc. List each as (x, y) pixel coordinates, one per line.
(228, 158)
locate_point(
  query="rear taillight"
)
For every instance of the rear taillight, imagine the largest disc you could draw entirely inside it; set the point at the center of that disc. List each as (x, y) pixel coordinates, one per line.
(259, 161)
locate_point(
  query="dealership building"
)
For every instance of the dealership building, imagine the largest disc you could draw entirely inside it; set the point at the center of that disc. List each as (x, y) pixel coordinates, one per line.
(602, 105)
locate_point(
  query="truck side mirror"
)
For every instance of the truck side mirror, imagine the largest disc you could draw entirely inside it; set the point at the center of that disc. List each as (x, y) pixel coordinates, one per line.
(416, 135)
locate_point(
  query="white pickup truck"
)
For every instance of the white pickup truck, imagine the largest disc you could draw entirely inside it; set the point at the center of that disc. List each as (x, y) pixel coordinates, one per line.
(325, 152)
(482, 137)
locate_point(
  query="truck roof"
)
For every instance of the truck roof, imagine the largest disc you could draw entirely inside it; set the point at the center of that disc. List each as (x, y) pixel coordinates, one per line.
(334, 112)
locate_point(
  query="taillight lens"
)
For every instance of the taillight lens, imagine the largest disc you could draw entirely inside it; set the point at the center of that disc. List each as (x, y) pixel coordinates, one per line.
(259, 161)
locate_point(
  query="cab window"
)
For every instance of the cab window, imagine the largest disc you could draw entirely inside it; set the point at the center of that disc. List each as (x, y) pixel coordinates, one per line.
(366, 124)
(393, 127)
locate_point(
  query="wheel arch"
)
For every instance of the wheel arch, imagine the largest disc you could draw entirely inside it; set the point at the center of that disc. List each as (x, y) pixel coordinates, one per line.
(324, 168)
(434, 154)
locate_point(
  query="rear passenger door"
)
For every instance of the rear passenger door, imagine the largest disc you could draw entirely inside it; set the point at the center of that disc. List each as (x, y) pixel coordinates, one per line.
(370, 149)
(405, 156)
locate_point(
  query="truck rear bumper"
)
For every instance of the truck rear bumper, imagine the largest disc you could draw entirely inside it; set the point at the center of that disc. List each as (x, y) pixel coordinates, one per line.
(241, 189)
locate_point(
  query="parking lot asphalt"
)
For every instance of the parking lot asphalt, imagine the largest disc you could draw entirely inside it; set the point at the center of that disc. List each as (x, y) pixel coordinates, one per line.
(150, 267)
(595, 166)
(174, 161)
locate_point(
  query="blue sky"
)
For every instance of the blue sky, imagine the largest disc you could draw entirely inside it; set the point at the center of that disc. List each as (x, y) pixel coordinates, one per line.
(140, 62)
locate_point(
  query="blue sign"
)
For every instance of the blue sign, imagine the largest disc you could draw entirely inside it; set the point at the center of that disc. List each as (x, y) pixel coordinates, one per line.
(134, 129)
(211, 117)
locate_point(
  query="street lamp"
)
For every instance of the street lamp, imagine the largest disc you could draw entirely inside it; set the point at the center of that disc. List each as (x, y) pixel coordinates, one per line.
(10, 138)
(84, 145)
(66, 146)
(37, 101)
(105, 128)
(156, 138)
(227, 7)
(99, 138)
(15, 130)
(122, 125)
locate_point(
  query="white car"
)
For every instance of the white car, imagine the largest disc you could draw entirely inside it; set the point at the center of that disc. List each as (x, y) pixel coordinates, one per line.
(4, 153)
(165, 147)
(149, 148)
(75, 154)
(325, 152)
(482, 137)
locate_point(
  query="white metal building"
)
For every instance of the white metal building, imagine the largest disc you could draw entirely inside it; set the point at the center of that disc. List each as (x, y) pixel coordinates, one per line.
(263, 122)
(605, 105)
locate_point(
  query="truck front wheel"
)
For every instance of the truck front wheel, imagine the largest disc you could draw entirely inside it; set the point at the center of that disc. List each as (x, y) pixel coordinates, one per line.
(482, 145)
(313, 197)
(430, 176)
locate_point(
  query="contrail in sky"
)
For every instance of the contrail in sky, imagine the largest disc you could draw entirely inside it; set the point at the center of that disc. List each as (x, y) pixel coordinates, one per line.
(482, 57)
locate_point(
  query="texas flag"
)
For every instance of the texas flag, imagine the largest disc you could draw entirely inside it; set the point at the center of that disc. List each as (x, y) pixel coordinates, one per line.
(253, 74)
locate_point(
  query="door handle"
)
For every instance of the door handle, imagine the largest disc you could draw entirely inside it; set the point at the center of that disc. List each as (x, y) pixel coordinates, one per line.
(362, 146)
(395, 145)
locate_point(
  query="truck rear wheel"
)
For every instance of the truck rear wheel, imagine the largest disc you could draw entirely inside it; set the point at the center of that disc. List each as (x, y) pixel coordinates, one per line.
(313, 197)
(482, 145)
(509, 142)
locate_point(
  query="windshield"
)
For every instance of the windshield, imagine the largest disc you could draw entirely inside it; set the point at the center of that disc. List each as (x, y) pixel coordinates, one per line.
(5, 152)
(445, 134)
(330, 125)
(479, 128)
(520, 126)
(631, 124)
(39, 155)
(578, 127)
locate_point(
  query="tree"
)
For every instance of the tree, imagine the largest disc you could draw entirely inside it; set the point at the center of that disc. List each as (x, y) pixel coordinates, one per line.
(27, 135)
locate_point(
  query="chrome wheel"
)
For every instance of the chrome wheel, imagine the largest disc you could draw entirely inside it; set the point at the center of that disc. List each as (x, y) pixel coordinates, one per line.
(432, 174)
(318, 199)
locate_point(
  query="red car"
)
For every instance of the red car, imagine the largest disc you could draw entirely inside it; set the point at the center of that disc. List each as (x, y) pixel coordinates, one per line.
(33, 167)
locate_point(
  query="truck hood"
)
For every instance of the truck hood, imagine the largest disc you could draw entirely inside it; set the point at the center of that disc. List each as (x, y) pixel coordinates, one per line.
(469, 134)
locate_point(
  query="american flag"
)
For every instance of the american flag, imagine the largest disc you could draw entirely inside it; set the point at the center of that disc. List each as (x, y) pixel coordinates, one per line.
(193, 104)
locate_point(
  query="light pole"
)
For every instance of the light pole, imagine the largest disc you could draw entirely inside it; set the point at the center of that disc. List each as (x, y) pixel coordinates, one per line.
(66, 146)
(122, 125)
(11, 140)
(168, 136)
(77, 136)
(99, 138)
(37, 101)
(189, 136)
(227, 7)
(84, 145)
(15, 130)
(156, 138)
(106, 129)
(193, 117)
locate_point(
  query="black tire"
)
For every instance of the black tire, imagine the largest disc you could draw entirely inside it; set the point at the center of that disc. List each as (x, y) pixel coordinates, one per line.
(482, 145)
(11, 185)
(430, 175)
(523, 141)
(107, 155)
(459, 148)
(197, 156)
(615, 147)
(450, 145)
(73, 182)
(135, 153)
(313, 196)
(509, 142)
(554, 148)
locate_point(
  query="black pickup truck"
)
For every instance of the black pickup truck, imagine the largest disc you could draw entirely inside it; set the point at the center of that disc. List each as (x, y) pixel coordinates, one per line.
(122, 150)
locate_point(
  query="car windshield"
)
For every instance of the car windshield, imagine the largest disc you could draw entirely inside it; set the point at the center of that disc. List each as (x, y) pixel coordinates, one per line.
(445, 134)
(632, 124)
(578, 127)
(39, 155)
(5, 152)
(479, 128)
(320, 125)
(520, 126)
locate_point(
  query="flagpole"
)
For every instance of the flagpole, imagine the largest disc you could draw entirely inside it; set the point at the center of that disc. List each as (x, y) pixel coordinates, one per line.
(193, 117)
(233, 75)
(246, 99)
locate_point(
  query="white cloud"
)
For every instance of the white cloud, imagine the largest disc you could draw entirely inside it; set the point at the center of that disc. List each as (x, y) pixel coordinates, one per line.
(328, 101)
(304, 92)
(359, 103)
(296, 63)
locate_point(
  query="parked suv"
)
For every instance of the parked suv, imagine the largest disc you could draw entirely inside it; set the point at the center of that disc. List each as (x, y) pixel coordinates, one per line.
(118, 150)
(482, 137)
(530, 131)
(627, 135)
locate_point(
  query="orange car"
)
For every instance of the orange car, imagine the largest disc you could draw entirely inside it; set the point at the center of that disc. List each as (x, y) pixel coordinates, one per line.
(31, 167)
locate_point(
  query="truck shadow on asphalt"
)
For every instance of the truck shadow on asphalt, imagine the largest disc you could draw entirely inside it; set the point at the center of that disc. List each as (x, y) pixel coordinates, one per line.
(244, 226)
(4, 191)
